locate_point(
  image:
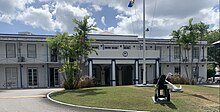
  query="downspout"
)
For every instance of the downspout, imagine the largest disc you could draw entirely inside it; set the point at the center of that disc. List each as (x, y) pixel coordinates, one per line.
(47, 73)
(21, 75)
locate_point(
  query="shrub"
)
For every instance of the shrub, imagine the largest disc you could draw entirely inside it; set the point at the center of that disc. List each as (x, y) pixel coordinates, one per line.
(178, 79)
(85, 81)
(68, 84)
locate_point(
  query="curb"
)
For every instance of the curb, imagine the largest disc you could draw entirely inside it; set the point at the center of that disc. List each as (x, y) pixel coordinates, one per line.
(85, 107)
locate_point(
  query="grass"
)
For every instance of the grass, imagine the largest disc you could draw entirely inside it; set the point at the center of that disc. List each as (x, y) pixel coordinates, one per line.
(193, 99)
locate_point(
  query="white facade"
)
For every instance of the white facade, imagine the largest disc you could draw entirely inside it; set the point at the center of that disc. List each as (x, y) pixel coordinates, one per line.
(27, 62)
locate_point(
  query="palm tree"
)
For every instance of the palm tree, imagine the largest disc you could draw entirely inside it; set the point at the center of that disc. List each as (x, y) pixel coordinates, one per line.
(76, 47)
(186, 35)
(202, 30)
(84, 48)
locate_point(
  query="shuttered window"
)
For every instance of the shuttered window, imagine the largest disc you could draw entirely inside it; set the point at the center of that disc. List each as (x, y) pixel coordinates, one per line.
(31, 51)
(10, 50)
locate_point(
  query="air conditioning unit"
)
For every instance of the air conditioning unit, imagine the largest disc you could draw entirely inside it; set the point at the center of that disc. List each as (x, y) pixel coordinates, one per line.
(21, 59)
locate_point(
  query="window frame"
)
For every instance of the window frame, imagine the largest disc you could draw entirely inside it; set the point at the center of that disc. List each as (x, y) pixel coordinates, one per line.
(196, 53)
(32, 77)
(35, 56)
(7, 55)
(176, 52)
(178, 69)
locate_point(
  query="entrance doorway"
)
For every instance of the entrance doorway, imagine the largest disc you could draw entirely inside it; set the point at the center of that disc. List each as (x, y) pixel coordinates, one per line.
(126, 75)
(11, 77)
(32, 77)
(54, 77)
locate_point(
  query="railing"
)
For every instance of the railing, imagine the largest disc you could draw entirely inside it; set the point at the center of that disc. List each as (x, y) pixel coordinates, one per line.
(40, 58)
(172, 58)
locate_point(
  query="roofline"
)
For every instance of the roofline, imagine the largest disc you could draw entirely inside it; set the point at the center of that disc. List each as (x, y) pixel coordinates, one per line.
(122, 35)
(25, 35)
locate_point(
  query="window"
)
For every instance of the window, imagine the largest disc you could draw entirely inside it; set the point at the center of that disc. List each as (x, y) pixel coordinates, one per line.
(10, 50)
(158, 47)
(53, 55)
(196, 53)
(107, 47)
(115, 47)
(32, 77)
(95, 46)
(31, 51)
(126, 47)
(176, 53)
(177, 70)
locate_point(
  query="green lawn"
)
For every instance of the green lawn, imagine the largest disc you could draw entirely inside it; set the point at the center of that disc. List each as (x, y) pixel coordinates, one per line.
(194, 98)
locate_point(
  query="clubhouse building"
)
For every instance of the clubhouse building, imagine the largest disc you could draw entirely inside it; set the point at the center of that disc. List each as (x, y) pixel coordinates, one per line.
(26, 61)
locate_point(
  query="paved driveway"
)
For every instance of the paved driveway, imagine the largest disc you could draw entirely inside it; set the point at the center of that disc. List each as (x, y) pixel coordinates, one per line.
(32, 100)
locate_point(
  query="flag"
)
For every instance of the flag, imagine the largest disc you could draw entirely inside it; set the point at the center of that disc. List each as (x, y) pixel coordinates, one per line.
(131, 3)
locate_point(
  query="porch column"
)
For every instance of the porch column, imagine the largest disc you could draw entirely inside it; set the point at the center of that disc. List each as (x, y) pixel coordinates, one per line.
(120, 75)
(157, 68)
(90, 68)
(113, 73)
(136, 70)
(140, 75)
(102, 76)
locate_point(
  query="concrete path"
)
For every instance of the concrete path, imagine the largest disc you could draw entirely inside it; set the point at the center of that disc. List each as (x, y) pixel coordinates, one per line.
(215, 86)
(33, 100)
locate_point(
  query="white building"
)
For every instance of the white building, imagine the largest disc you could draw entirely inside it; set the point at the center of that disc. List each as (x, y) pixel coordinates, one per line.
(27, 62)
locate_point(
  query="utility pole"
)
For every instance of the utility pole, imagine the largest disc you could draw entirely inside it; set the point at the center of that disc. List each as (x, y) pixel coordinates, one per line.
(144, 48)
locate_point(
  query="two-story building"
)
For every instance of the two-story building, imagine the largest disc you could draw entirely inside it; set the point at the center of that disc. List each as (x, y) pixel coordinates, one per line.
(26, 61)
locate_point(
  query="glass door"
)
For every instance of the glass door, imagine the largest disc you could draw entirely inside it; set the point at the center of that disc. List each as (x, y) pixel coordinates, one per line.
(11, 77)
(54, 77)
(32, 77)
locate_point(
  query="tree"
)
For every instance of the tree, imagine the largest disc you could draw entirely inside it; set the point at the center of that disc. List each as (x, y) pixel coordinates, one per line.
(74, 51)
(186, 36)
(83, 43)
(202, 30)
(212, 36)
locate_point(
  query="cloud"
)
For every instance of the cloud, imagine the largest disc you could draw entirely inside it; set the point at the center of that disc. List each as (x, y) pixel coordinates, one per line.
(97, 7)
(64, 14)
(9, 9)
(162, 19)
(103, 20)
(38, 18)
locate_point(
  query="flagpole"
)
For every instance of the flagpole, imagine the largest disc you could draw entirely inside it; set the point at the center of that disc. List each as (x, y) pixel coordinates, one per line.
(144, 48)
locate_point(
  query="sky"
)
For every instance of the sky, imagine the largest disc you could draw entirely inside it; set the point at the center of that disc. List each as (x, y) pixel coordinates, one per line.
(114, 16)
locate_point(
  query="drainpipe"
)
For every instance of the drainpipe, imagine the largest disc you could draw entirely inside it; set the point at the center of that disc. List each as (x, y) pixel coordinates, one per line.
(48, 83)
(21, 74)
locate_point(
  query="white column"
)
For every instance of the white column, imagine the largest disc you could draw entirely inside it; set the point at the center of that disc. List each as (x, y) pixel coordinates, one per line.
(140, 75)
(102, 75)
(113, 73)
(157, 69)
(136, 72)
(90, 68)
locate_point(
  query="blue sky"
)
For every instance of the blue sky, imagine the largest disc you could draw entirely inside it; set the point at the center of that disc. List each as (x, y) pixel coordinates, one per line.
(50, 16)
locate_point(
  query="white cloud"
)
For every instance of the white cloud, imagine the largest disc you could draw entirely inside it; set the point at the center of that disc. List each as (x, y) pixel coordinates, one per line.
(9, 9)
(103, 20)
(58, 14)
(64, 14)
(38, 18)
(97, 7)
(209, 16)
